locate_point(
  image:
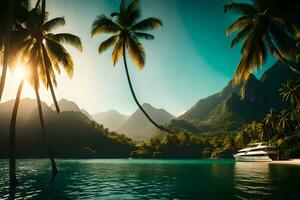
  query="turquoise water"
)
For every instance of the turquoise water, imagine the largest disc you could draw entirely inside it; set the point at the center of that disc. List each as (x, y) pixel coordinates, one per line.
(152, 179)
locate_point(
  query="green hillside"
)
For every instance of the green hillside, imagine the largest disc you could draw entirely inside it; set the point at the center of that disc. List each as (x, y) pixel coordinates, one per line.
(235, 106)
(71, 134)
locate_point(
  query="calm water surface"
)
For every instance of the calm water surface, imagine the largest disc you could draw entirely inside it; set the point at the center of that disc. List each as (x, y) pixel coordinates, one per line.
(152, 179)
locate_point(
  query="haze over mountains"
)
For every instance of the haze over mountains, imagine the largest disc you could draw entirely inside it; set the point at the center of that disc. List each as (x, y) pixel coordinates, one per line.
(71, 133)
(139, 128)
(111, 119)
(135, 126)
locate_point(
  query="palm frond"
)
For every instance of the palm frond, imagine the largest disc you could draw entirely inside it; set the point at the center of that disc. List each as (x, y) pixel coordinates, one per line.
(136, 52)
(241, 8)
(61, 56)
(285, 43)
(108, 43)
(147, 24)
(52, 77)
(239, 24)
(145, 36)
(54, 62)
(241, 35)
(253, 57)
(53, 23)
(104, 25)
(42, 72)
(68, 39)
(117, 52)
(115, 14)
(133, 12)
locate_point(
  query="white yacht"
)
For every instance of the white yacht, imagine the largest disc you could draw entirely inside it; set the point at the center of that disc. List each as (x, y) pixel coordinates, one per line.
(257, 152)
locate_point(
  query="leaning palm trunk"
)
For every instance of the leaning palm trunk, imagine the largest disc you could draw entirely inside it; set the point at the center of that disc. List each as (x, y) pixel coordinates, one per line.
(49, 149)
(12, 142)
(7, 35)
(49, 82)
(135, 98)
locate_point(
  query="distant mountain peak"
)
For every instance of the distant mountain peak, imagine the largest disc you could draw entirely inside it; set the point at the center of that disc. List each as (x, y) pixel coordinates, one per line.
(66, 105)
(139, 128)
(147, 105)
(110, 119)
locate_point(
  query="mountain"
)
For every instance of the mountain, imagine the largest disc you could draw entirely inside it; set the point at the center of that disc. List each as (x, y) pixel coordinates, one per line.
(87, 114)
(236, 106)
(139, 128)
(66, 106)
(71, 134)
(111, 119)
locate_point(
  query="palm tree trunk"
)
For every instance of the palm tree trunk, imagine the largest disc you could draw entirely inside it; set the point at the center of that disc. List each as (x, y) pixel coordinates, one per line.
(37, 3)
(273, 128)
(135, 98)
(12, 141)
(7, 35)
(289, 128)
(43, 9)
(50, 152)
(43, 53)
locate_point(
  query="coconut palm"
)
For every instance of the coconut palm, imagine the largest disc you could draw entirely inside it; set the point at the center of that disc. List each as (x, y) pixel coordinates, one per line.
(126, 31)
(45, 54)
(242, 139)
(262, 131)
(295, 114)
(228, 143)
(10, 11)
(290, 91)
(264, 26)
(239, 140)
(284, 121)
(271, 120)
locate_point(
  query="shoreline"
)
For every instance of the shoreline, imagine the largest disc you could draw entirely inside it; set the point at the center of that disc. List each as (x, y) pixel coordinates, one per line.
(287, 162)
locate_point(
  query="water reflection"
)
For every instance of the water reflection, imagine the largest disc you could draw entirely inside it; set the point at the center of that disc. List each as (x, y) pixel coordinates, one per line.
(151, 179)
(252, 180)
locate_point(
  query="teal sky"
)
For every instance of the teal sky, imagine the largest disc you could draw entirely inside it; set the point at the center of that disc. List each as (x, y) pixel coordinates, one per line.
(189, 59)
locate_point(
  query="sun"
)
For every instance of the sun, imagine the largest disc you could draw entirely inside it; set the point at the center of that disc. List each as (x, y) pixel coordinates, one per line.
(19, 72)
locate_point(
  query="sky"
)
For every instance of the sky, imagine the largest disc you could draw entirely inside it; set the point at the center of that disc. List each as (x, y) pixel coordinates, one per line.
(189, 59)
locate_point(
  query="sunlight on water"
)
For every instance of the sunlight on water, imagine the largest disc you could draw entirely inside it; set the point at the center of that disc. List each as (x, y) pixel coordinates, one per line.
(151, 179)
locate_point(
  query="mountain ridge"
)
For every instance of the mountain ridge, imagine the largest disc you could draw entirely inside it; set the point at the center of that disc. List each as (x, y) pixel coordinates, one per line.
(138, 127)
(111, 119)
(237, 105)
(71, 134)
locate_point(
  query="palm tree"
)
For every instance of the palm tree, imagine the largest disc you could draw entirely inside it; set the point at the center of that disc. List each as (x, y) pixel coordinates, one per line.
(239, 140)
(12, 137)
(45, 54)
(264, 26)
(262, 132)
(271, 120)
(127, 31)
(295, 114)
(290, 91)
(10, 11)
(284, 121)
(228, 143)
